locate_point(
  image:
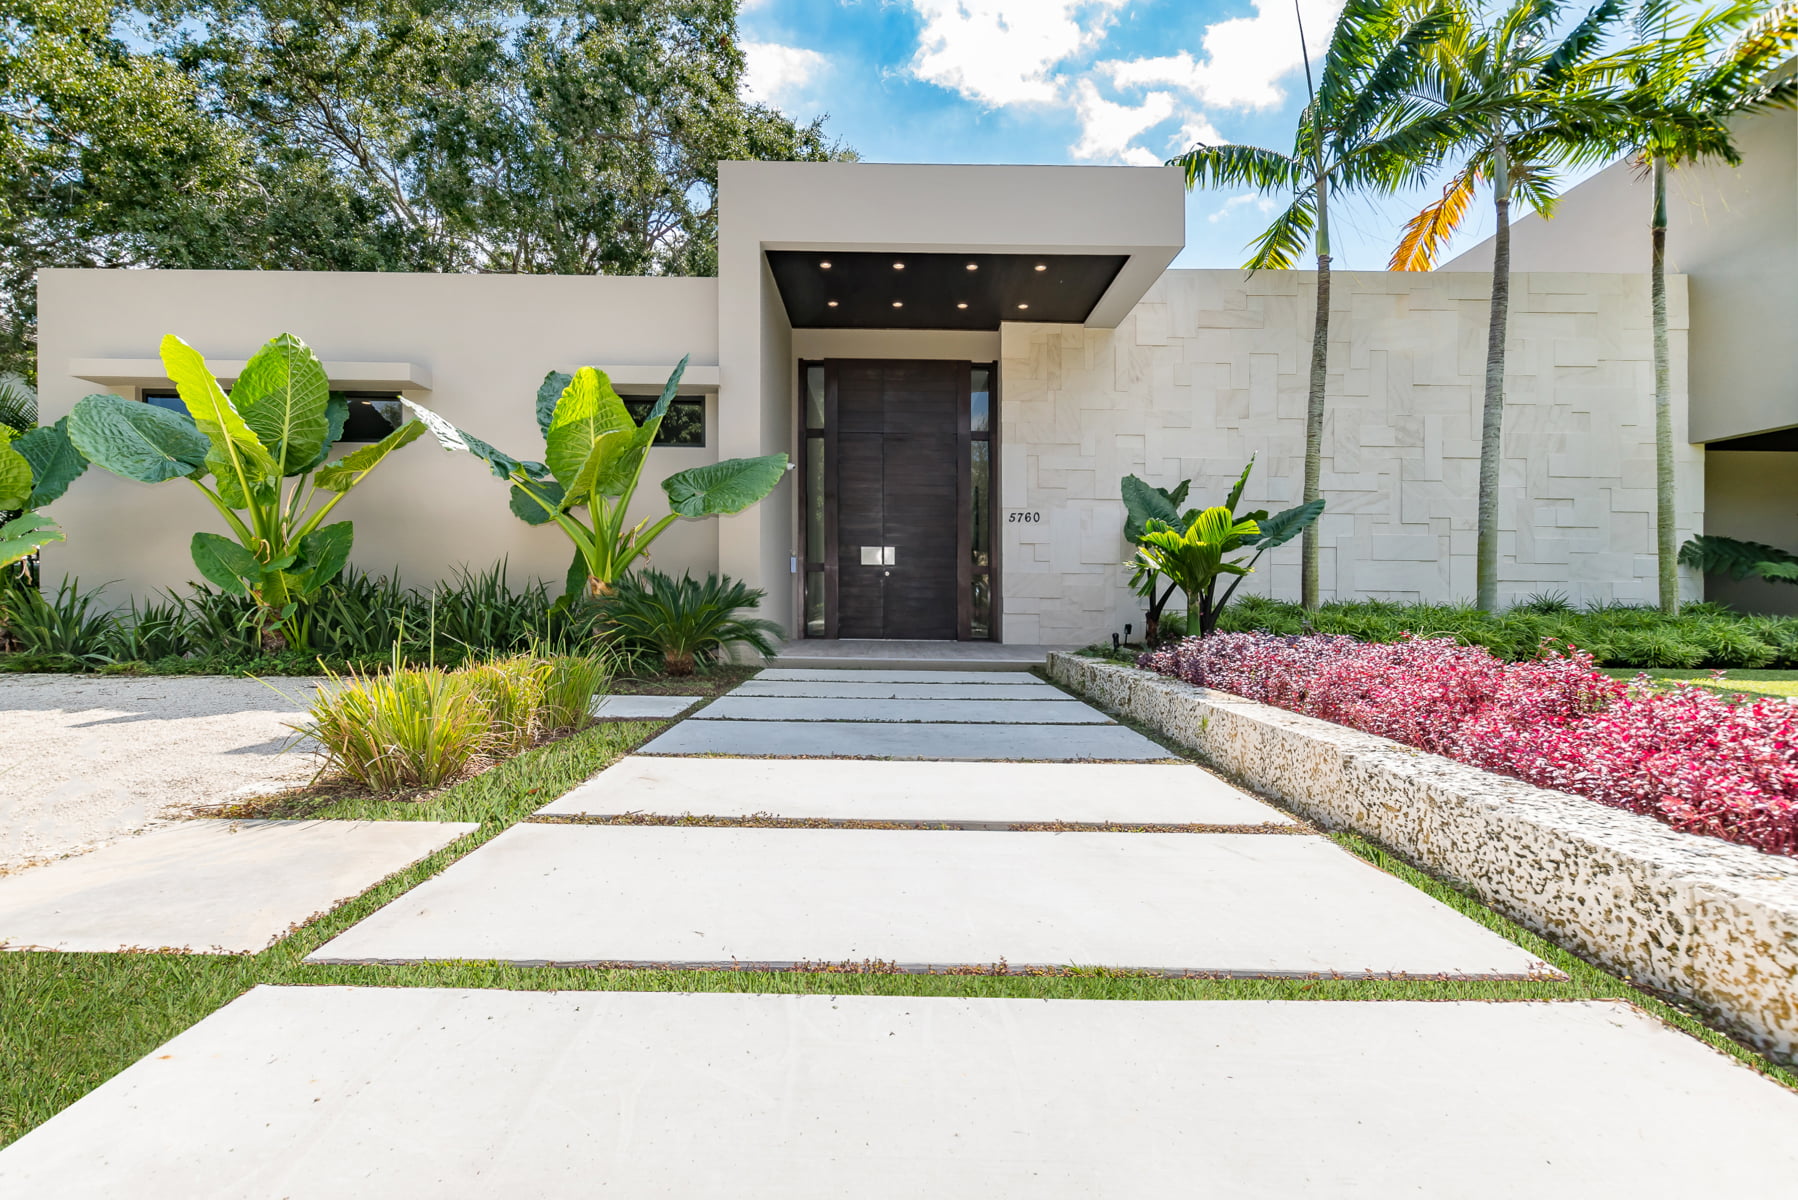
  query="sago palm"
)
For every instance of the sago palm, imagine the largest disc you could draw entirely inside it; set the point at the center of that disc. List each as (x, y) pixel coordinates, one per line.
(1690, 75)
(1360, 132)
(1525, 103)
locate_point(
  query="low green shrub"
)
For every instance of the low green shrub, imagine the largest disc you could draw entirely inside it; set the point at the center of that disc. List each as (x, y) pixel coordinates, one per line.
(1616, 635)
(569, 687)
(684, 623)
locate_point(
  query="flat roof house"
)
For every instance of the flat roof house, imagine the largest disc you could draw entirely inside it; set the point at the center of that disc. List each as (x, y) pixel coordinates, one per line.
(963, 362)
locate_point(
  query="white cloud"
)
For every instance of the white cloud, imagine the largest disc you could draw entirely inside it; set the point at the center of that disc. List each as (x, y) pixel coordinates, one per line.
(1245, 57)
(1264, 204)
(1107, 129)
(1002, 51)
(775, 74)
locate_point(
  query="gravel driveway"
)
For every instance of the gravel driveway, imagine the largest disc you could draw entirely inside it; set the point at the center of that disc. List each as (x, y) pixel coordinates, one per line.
(86, 760)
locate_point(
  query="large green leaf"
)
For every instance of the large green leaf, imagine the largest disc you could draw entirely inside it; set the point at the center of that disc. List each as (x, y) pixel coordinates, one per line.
(234, 570)
(55, 463)
(1241, 483)
(452, 438)
(587, 411)
(24, 536)
(1144, 501)
(283, 396)
(1285, 525)
(137, 441)
(323, 552)
(351, 469)
(726, 487)
(610, 461)
(548, 392)
(15, 473)
(528, 510)
(337, 414)
(236, 451)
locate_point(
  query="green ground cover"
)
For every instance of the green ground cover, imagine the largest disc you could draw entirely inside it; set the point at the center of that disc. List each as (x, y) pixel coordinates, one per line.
(75, 1020)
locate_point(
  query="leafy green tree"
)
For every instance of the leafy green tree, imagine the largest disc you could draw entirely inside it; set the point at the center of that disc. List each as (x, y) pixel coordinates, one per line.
(561, 136)
(1521, 103)
(1692, 74)
(594, 452)
(278, 424)
(1358, 133)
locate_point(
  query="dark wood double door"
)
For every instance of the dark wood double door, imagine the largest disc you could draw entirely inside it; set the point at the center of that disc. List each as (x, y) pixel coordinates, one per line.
(895, 445)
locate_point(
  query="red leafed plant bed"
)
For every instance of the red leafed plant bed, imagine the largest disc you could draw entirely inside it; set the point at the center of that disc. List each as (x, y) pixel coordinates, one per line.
(1686, 755)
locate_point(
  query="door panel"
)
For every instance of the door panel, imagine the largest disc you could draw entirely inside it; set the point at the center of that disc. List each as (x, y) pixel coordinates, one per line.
(897, 480)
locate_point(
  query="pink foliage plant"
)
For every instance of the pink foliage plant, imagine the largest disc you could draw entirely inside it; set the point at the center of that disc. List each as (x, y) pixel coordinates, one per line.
(1699, 761)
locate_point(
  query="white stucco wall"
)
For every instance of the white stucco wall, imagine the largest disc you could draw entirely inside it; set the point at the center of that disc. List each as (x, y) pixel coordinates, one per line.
(485, 340)
(1212, 367)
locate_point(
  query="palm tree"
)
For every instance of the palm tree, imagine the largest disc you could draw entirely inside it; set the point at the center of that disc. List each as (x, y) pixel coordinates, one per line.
(1688, 78)
(1528, 103)
(1358, 131)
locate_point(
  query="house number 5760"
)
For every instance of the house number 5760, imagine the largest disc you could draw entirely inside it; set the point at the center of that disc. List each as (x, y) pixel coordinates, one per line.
(1024, 518)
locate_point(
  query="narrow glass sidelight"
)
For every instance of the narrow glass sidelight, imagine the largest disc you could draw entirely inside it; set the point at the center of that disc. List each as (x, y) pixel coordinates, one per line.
(814, 396)
(814, 499)
(980, 507)
(980, 400)
(814, 604)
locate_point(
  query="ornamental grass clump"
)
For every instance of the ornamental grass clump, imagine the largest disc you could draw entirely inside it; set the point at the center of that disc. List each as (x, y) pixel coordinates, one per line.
(1701, 762)
(413, 728)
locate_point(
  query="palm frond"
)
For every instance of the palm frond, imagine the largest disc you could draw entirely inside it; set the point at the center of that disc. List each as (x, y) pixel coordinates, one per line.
(1429, 231)
(1233, 165)
(18, 404)
(1280, 244)
(1580, 43)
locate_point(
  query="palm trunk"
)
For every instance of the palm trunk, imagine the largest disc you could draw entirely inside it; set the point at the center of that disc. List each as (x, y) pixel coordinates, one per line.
(1493, 413)
(1314, 406)
(1665, 531)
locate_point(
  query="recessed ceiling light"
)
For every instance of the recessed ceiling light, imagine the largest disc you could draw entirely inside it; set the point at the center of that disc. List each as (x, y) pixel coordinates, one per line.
(898, 304)
(1042, 266)
(899, 266)
(963, 304)
(825, 264)
(832, 303)
(973, 266)
(1023, 306)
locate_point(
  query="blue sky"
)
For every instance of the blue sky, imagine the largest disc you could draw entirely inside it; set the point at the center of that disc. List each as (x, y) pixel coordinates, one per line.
(1064, 81)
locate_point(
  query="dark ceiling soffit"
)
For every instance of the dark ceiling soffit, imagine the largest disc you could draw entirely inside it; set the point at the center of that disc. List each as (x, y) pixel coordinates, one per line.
(931, 288)
(1777, 439)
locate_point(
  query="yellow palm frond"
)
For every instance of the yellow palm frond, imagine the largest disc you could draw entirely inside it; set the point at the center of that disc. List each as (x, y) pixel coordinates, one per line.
(1427, 232)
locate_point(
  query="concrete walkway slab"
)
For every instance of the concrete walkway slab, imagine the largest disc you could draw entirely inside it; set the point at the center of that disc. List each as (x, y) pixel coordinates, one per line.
(964, 793)
(325, 1092)
(838, 689)
(949, 743)
(1065, 711)
(1230, 903)
(641, 708)
(840, 675)
(208, 886)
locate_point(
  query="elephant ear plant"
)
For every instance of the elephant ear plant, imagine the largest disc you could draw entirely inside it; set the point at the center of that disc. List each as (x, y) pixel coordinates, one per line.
(593, 456)
(278, 424)
(1191, 555)
(35, 468)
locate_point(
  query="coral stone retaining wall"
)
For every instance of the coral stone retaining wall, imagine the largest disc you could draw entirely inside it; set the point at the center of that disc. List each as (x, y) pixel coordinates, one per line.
(1696, 917)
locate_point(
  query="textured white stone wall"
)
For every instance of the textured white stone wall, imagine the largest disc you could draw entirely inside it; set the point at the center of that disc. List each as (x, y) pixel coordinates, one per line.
(1704, 919)
(1213, 366)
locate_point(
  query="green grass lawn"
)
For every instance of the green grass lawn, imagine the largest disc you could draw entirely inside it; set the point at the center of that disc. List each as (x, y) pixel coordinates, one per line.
(1748, 682)
(72, 1021)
